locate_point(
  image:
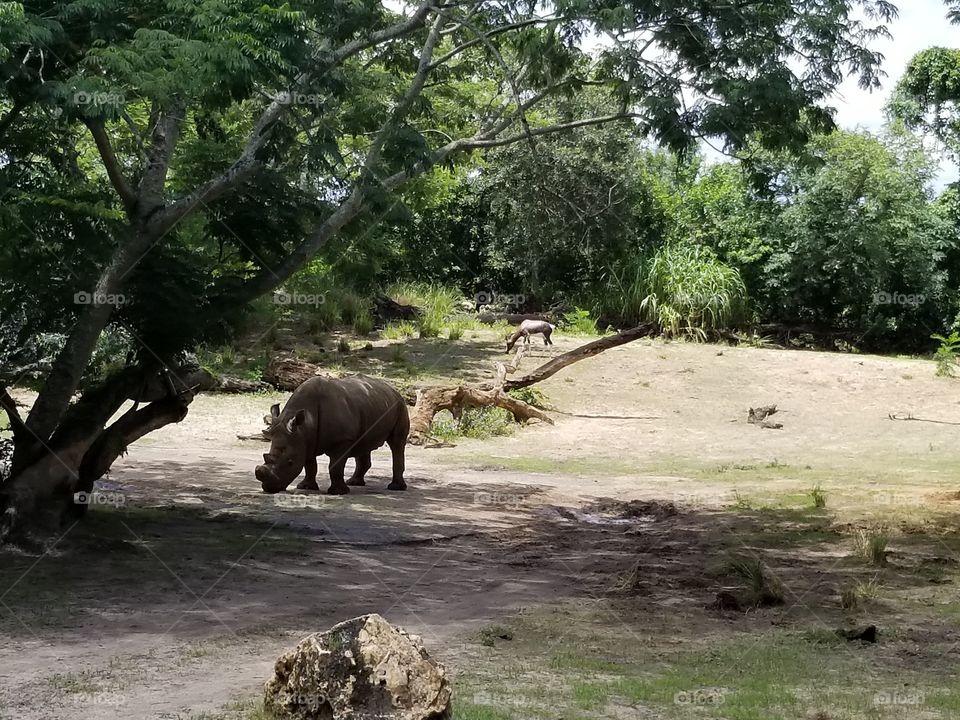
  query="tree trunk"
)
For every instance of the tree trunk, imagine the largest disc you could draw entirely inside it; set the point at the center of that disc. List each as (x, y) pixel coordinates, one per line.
(41, 491)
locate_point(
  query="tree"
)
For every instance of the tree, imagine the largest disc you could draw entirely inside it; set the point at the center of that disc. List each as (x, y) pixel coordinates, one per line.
(180, 159)
(858, 245)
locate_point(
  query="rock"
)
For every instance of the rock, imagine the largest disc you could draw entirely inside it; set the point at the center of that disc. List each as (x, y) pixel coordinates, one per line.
(727, 601)
(867, 633)
(361, 669)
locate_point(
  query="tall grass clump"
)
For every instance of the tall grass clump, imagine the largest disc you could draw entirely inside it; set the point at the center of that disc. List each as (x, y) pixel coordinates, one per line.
(871, 545)
(688, 291)
(437, 304)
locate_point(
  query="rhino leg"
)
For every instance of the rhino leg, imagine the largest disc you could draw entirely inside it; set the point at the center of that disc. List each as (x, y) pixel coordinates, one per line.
(398, 444)
(338, 461)
(309, 481)
(363, 464)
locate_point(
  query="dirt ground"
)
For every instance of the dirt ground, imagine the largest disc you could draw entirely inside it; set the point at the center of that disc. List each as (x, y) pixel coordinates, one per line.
(175, 595)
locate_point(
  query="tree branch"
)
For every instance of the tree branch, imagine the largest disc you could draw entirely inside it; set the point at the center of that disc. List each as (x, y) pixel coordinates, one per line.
(166, 131)
(114, 172)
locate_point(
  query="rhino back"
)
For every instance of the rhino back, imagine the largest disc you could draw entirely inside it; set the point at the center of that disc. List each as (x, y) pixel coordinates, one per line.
(351, 410)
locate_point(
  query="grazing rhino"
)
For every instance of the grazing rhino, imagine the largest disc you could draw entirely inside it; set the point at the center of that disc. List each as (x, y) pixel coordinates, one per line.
(342, 418)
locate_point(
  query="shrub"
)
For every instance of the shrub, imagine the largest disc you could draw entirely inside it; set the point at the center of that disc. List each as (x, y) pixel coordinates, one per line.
(579, 321)
(946, 355)
(477, 423)
(690, 292)
(437, 304)
(531, 396)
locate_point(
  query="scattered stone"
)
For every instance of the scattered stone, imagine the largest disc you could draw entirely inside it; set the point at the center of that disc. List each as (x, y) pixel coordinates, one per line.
(362, 668)
(758, 416)
(866, 633)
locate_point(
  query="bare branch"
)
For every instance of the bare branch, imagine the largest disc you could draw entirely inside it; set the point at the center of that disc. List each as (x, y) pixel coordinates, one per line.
(112, 166)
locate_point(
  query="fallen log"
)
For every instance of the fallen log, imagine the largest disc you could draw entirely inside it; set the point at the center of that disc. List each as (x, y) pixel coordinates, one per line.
(387, 310)
(228, 384)
(581, 353)
(432, 400)
(288, 373)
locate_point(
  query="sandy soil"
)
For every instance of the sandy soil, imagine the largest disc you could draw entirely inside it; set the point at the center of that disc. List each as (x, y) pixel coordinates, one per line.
(176, 602)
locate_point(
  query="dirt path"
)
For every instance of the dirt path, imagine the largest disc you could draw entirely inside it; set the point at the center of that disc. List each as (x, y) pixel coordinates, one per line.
(175, 603)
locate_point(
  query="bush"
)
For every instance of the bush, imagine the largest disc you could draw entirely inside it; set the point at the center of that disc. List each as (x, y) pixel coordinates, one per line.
(476, 423)
(690, 292)
(531, 396)
(946, 355)
(579, 322)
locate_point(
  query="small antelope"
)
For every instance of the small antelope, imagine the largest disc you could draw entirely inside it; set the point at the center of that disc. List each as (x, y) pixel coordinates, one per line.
(528, 328)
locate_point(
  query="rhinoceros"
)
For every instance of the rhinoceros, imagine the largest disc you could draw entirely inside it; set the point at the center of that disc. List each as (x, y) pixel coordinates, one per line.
(343, 418)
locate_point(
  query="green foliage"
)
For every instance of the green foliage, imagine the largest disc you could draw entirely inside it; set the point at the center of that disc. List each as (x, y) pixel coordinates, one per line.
(946, 356)
(690, 292)
(477, 423)
(578, 321)
(857, 243)
(531, 396)
(436, 303)
(927, 98)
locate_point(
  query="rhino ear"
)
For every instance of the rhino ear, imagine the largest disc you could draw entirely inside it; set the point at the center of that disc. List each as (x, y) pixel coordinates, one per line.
(275, 410)
(296, 421)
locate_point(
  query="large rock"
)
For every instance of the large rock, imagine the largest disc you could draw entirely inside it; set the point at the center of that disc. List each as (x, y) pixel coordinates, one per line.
(361, 669)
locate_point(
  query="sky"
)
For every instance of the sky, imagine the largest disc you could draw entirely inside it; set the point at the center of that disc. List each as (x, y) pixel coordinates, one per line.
(922, 24)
